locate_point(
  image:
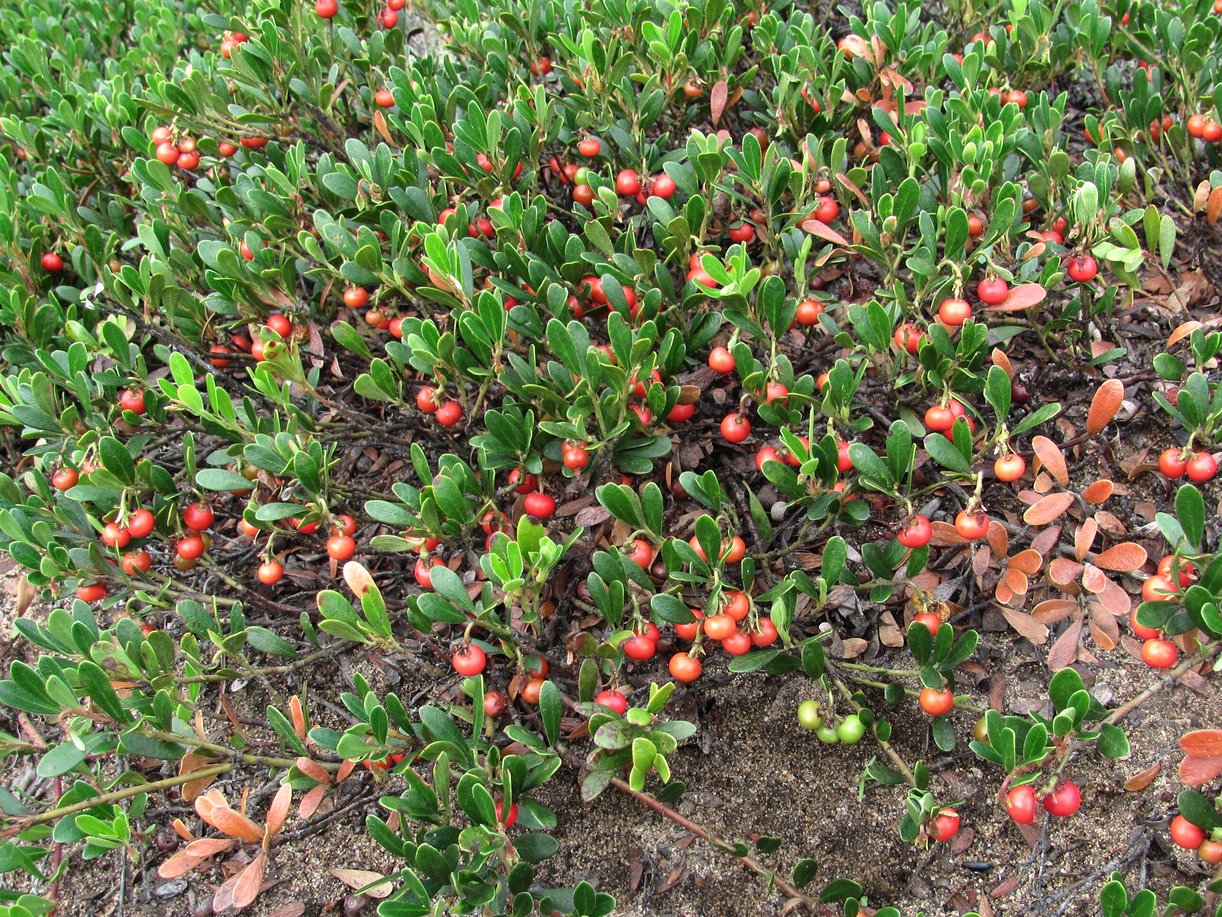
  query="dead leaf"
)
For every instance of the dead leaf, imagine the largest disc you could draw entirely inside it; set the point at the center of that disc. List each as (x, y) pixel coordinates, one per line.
(1048, 508)
(1214, 208)
(1140, 781)
(379, 124)
(1093, 579)
(1103, 628)
(1195, 771)
(179, 864)
(852, 647)
(1104, 405)
(1026, 626)
(717, 100)
(190, 763)
(311, 801)
(1028, 561)
(591, 515)
(1202, 742)
(1098, 492)
(1045, 541)
(825, 232)
(293, 909)
(313, 770)
(1050, 611)
(1021, 297)
(1065, 650)
(1182, 330)
(1122, 558)
(1083, 538)
(249, 882)
(1051, 457)
(1000, 358)
(278, 811)
(209, 847)
(359, 878)
(233, 823)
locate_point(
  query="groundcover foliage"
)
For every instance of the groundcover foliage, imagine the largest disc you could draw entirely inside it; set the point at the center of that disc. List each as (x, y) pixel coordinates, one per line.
(612, 350)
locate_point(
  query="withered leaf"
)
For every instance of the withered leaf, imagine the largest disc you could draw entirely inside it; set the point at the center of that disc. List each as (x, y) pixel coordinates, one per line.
(1140, 781)
(1026, 626)
(1051, 457)
(1122, 558)
(1202, 742)
(1103, 406)
(1065, 650)
(1048, 508)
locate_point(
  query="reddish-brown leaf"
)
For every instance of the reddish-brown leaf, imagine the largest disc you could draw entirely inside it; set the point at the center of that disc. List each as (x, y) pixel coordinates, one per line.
(1052, 458)
(1016, 580)
(182, 830)
(1093, 579)
(292, 909)
(379, 124)
(1183, 330)
(233, 823)
(1203, 743)
(1098, 492)
(249, 882)
(847, 183)
(1050, 611)
(825, 232)
(313, 770)
(1117, 602)
(1214, 209)
(298, 717)
(1195, 771)
(1048, 508)
(1063, 572)
(1103, 628)
(1122, 558)
(1003, 593)
(1065, 650)
(717, 100)
(179, 864)
(1045, 541)
(345, 769)
(998, 538)
(190, 763)
(1083, 538)
(278, 811)
(311, 801)
(1000, 359)
(1029, 561)
(209, 847)
(1026, 626)
(1140, 781)
(1104, 405)
(1021, 297)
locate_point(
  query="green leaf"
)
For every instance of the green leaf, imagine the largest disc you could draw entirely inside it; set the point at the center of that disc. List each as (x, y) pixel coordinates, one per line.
(1113, 743)
(96, 684)
(804, 872)
(551, 707)
(1190, 511)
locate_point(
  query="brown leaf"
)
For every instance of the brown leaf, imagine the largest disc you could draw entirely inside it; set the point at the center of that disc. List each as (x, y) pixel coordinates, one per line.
(1140, 781)
(181, 830)
(1016, 580)
(313, 770)
(852, 647)
(1065, 650)
(1214, 208)
(1182, 330)
(1093, 579)
(298, 717)
(717, 100)
(1051, 457)
(1104, 405)
(1122, 558)
(233, 823)
(278, 811)
(591, 515)
(1026, 626)
(1083, 538)
(209, 847)
(190, 763)
(1050, 611)
(1048, 508)
(179, 864)
(999, 358)
(359, 878)
(1202, 742)
(998, 538)
(1063, 572)
(1117, 602)
(1028, 561)
(1005, 887)
(825, 232)
(1103, 628)
(1195, 771)
(379, 124)
(1021, 297)
(292, 909)
(311, 801)
(249, 882)
(1045, 541)
(1099, 491)
(847, 183)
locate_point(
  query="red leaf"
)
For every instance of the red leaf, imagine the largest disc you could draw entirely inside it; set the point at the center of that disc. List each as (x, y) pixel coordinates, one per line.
(1202, 742)
(1194, 771)
(1104, 405)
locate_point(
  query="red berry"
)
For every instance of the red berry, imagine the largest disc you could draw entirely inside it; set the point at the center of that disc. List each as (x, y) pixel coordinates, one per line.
(449, 413)
(326, 8)
(1064, 801)
(735, 428)
(1201, 467)
(198, 516)
(140, 523)
(612, 700)
(341, 548)
(539, 505)
(627, 183)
